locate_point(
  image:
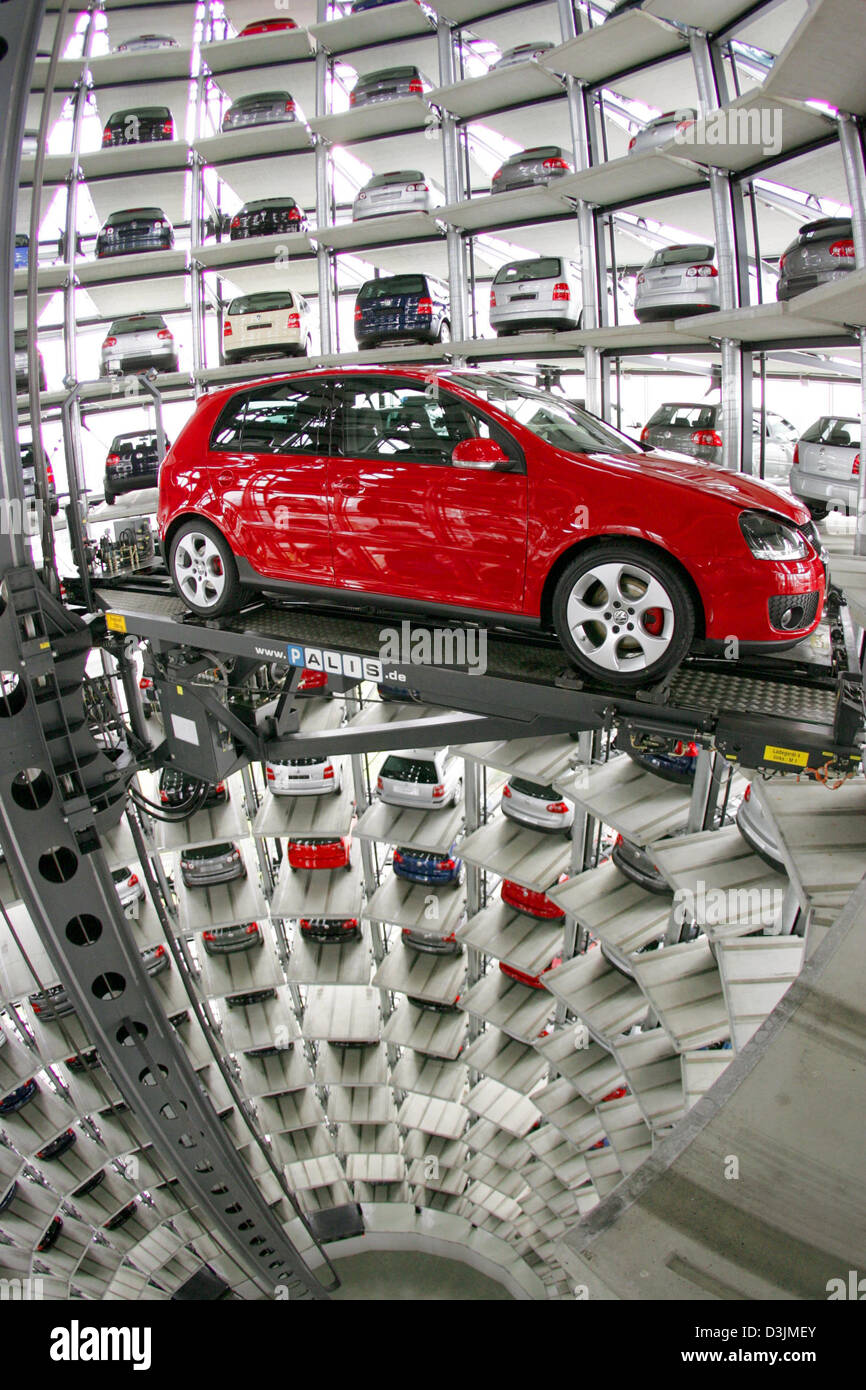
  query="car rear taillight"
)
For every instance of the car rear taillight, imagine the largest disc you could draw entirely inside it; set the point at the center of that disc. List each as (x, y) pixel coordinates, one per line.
(438, 791)
(227, 329)
(164, 334)
(561, 290)
(796, 454)
(558, 807)
(702, 272)
(417, 188)
(747, 794)
(220, 788)
(145, 683)
(110, 342)
(271, 775)
(132, 881)
(49, 473)
(446, 864)
(707, 439)
(159, 952)
(168, 129)
(556, 164)
(632, 142)
(329, 771)
(855, 467)
(379, 783)
(497, 175)
(252, 928)
(207, 935)
(290, 108)
(398, 858)
(294, 214)
(163, 796)
(644, 435)
(493, 299)
(416, 87)
(425, 307)
(236, 222)
(782, 259)
(235, 855)
(106, 136)
(843, 250)
(293, 321)
(359, 313)
(350, 924)
(112, 461)
(506, 791)
(351, 98)
(617, 841)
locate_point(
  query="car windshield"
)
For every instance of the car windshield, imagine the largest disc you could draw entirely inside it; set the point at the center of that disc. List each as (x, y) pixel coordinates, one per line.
(255, 303)
(552, 418)
(543, 268)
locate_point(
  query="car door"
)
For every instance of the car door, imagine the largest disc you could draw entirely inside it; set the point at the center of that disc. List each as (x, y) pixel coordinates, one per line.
(405, 520)
(268, 463)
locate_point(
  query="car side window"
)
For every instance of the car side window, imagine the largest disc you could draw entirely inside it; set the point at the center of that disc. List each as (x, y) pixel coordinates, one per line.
(410, 424)
(279, 419)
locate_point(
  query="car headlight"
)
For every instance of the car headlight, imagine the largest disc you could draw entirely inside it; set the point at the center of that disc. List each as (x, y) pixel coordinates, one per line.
(770, 538)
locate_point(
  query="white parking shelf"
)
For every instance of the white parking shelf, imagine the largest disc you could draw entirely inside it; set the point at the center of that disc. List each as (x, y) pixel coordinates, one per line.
(652, 1068)
(503, 1105)
(478, 1194)
(819, 63)
(361, 1105)
(559, 1155)
(407, 904)
(796, 126)
(501, 210)
(373, 122)
(701, 1069)
(512, 1063)
(381, 25)
(761, 323)
(236, 971)
(683, 986)
(591, 1069)
(315, 1172)
(351, 1066)
(484, 1136)
(438, 1035)
(329, 963)
(297, 76)
(627, 1130)
(606, 1001)
(755, 972)
(286, 1070)
(450, 1153)
(276, 156)
(441, 1080)
(629, 41)
(441, 1179)
(528, 857)
(483, 1168)
(624, 916)
(376, 1168)
(398, 228)
(129, 284)
(604, 1170)
(222, 904)
(289, 816)
(114, 176)
(262, 1024)
(822, 833)
(223, 822)
(290, 1111)
(527, 943)
(495, 90)
(422, 974)
(641, 806)
(538, 759)
(569, 1113)
(341, 1013)
(728, 888)
(267, 255)
(284, 46)
(632, 179)
(318, 892)
(517, 1009)
(433, 831)
(443, 1117)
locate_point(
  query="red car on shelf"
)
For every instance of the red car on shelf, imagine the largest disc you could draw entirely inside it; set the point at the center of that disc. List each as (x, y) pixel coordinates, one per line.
(470, 494)
(266, 26)
(534, 981)
(532, 903)
(320, 852)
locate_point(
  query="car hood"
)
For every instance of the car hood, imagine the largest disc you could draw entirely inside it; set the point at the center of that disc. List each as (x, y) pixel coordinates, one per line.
(736, 488)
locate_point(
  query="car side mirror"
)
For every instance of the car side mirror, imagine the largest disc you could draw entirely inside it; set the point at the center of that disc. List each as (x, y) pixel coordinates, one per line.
(478, 453)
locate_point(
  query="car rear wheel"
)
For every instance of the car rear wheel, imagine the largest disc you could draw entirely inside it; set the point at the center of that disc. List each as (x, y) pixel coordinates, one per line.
(203, 570)
(818, 510)
(623, 614)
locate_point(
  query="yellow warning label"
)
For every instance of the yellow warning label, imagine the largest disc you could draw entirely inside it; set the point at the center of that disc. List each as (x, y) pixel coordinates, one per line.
(43, 646)
(115, 622)
(179, 689)
(792, 756)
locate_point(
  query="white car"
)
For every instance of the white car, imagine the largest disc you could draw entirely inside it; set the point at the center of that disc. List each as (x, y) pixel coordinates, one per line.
(523, 53)
(277, 323)
(662, 130)
(401, 190)
(304, 777)
(137, 342)
(130, 890)
(421, 778)
(536, 806)
(544, 292)
(677, 281)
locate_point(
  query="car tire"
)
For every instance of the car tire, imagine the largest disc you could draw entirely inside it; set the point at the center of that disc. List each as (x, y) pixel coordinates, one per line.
(196, 545)
(307, 349)
(444, 335)
(628, 653)
(458, 792)
(110, 499)
(817, 510)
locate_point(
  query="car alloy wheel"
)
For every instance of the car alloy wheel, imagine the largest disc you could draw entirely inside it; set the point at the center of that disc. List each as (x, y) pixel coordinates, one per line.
(623, 614)
(203, 570)
(445, 332)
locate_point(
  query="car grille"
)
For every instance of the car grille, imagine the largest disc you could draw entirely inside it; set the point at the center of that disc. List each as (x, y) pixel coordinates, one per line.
(803, 609)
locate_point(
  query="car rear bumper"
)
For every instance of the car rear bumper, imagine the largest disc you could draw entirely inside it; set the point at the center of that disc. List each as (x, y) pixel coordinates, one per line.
(532, 314)
(789, 287)
(139, 361)
(819, 487)
(308, 788)
(548, 824)
(205, 880)
(433, 877)
(330, 936)
(130, 482)
(372, 337)
(420, 803)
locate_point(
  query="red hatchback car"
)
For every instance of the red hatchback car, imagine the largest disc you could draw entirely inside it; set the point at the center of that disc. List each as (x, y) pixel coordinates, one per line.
(530, 902)
(467, 493)
(332, 853)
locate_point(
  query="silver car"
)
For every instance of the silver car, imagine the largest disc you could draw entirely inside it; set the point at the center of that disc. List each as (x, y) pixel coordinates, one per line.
(262, 108)
(677, 281)
(523, 53)
(823, 252)
(428, 941)
(130, 890)
(422, 778)
(145, 42)
(534, 805)
(531, 168)
(544, 292)
(758, 832)
(695, 429)
(387, 84)
(662, 130)
(303, 777)
(211, 864)
(401, 190)
(137, 342)
(637, 865)
(826, 471)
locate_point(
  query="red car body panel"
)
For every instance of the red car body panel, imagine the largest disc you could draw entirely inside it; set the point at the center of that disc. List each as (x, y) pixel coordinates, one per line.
(326, 854)
(533, 981)
(490, 541)
(532, 903)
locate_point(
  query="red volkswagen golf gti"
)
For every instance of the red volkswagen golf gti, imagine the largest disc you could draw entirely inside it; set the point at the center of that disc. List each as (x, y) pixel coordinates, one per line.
(459, 492)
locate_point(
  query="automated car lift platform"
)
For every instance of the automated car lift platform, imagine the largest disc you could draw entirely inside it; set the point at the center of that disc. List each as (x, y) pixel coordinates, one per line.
(768, 712)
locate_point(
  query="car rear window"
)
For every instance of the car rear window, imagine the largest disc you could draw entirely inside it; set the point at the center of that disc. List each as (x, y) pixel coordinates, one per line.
(410, 770)
(391, 285)
(262, 204)
(256, 303)
(520, 784)
(128, 444)
(835, 430)
(685, 416)
(388, 75)
(136, 215)
(396, 176)
(141, 323)
(537, 152)
(140, 113)
(208, 852)
(681, 255)
(260, 98)
(540, 268)
(119, 875)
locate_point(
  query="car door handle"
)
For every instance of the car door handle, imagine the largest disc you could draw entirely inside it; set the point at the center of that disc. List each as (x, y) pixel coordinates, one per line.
(350, 487)
(225, 477)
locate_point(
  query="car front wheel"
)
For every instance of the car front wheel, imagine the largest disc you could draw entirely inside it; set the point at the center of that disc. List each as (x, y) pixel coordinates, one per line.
(203, 570)
(623, 614)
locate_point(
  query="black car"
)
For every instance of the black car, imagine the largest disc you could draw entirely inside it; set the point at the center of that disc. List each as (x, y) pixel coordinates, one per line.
(57, 1146)
(636, 864)
(265, 108)
(250, 997)
(823, 251)
(333, 930)
(133, 462)
(22, 363)
(90, 1184)
(387, 84)
(139, 125)
(673, 763)
(50, 1236)
(531, 168)
(267, 217)
(401, 308)
(433, 1006)
(28, 472)
(8, 1196)
(121, 1217)
(136, 229)
(225, 941)
(178, 789)
(84, 1061)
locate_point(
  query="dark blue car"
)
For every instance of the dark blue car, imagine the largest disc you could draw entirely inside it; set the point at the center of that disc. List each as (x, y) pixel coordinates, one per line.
(419, 866)
(400, 308)
(677, 766)
(360, 5)
(22, 251)
(16, 1100)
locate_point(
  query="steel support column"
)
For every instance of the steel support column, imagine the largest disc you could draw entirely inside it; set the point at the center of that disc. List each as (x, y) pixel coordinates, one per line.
(854, 163)
(455, 248)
